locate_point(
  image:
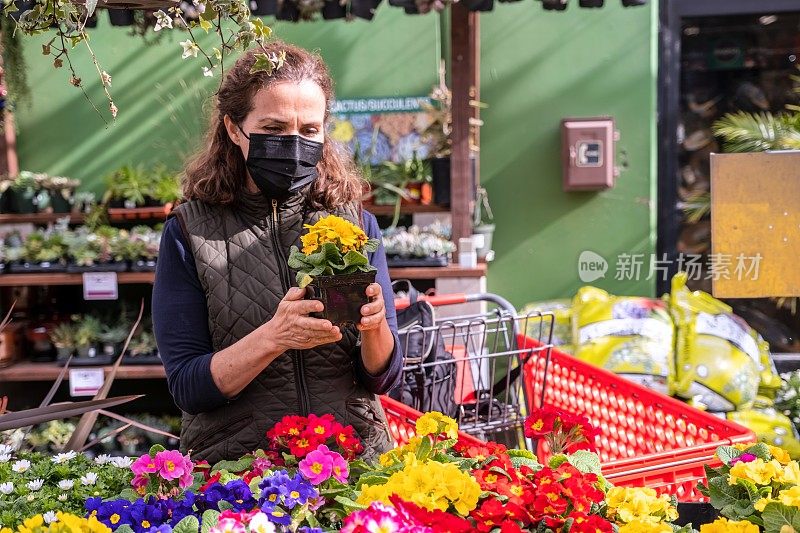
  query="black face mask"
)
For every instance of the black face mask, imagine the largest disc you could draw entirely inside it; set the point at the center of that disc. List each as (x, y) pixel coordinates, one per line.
(282, 164)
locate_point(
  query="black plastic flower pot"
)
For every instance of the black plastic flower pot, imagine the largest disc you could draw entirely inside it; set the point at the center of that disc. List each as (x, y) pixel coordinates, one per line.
(287, 10)
(440, 172)
(120, 17)
(264, 7)
(364, 9)
(591, 3)
(21, 202)
(343, 296)
(333, 9)
(59, 203)
(696, 514)
(480, 5)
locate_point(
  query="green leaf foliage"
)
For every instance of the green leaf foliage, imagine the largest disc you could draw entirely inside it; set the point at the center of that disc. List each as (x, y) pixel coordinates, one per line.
(190, 524)
(727, 453)
(348, 504)
(776, 516)
(239, 465)
(585, 461)
(155, 449)
(723, 494)
(209, 520)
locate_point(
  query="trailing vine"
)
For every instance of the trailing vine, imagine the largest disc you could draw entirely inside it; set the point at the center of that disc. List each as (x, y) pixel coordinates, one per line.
(230, 20)
(14, 71)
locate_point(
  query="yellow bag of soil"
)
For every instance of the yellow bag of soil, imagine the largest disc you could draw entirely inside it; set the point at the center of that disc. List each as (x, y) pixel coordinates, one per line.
(770, 426)
(718, 358)
(630, 336)
(539, 328)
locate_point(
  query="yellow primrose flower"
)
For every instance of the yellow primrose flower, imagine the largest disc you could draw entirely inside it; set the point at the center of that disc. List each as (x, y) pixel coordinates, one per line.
(343, 233)
(779, 454)
(743, 446)
(758, 471)
(762, 503)
(645, 526)
(434, 423)
(790, 497)
(723, 525)
(628, 504)
(789, 474)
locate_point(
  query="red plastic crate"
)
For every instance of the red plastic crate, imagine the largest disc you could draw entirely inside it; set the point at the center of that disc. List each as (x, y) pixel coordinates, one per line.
(646, 438)
(402, 422)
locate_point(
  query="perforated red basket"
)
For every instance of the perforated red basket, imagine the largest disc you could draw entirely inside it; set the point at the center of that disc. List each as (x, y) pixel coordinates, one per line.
(646, 438)
(402, 422)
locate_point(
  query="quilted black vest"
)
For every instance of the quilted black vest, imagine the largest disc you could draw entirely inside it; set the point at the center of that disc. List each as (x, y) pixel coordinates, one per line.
(240, 252)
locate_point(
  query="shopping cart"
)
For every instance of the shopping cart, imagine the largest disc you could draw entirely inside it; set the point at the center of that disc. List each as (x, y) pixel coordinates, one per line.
(480, 379)
(504, 365)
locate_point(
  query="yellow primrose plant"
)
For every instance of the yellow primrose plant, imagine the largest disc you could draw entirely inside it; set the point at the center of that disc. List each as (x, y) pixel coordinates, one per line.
(757, 485)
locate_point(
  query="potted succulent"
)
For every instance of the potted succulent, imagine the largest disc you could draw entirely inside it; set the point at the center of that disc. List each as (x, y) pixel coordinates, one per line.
(167, 188)
(64, 338)
(333, 265)
(23, 191)
(42, 251)
(129, 187)
(148, 241)
(87, 336)
(415, 246)
(60, 193)
(483, 228)
(143, 349)
(111, 338)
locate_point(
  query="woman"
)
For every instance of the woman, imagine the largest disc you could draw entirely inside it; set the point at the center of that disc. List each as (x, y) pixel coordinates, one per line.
(238, 344)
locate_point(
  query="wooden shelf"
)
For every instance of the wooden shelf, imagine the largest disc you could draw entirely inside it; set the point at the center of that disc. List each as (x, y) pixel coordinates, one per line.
(27, 371)
(39, 218)
(19, 280)
(139, 213)
(405, 209)
(450, 271)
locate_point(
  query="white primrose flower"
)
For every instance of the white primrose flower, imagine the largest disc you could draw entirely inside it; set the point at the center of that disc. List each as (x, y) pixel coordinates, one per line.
(190, 49)
(121, 462)
(162, 20)
(261, 524)
(50, 517)
(6, 488)
(89, 479)
(35, 485)
(102, 459)
(21, 466)
(5, 457)
(62, 497)
(66, 484)
(6, 449)
(62, 458)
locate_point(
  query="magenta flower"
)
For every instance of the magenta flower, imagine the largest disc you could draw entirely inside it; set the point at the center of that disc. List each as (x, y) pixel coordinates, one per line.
(171, 464)
(229, 525)
(379, 517)
(139, 481)
(144, 465)
(317, 466)
(744, 458)
(339, 467)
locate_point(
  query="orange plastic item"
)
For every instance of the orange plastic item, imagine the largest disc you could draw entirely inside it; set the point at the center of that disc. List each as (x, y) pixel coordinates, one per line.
(646, 438)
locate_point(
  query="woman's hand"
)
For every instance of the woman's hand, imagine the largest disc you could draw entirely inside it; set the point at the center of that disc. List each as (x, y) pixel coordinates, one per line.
(292, 329)
(373, 314)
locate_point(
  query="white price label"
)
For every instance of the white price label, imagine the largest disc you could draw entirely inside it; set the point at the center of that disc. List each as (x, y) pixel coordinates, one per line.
(85, 381)
(100, 286)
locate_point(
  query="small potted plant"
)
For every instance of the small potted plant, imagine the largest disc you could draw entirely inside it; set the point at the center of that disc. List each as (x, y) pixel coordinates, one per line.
(147, 242)
(111, 338)
(417, 247)
(483, 228)
(129, 187)
(167, 189)
(42, 251)
(87, 336)
(23, 193)
(333, 264)
(63, 338)
(61, 193)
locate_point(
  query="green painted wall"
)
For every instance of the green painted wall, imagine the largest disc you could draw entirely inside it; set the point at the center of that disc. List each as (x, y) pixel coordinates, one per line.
(163, 100)
(538, 67)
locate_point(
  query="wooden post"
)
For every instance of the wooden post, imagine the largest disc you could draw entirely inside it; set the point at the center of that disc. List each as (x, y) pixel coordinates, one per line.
(9, 165)
(464, 50)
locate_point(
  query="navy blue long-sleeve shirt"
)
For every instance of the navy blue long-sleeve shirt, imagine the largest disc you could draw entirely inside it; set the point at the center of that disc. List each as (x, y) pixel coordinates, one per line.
(180, 323)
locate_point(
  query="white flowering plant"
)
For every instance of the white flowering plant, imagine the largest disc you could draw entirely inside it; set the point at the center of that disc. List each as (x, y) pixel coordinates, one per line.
(35, 483)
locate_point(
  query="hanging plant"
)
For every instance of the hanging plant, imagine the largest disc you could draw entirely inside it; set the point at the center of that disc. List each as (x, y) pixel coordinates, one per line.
(230, 20)
(15, 76)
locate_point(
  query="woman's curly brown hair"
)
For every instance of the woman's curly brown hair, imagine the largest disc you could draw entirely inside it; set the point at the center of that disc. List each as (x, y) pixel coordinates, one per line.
(217, 173)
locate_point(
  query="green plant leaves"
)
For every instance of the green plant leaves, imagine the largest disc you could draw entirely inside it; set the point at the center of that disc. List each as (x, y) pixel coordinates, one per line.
(723, 494)
(585, 461)
(239, 465)
(328, 261)
(209, 520)
(727, 453)
(190, 524)
(776, 516)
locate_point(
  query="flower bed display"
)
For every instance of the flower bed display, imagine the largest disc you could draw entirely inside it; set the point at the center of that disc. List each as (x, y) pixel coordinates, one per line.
(311, 479)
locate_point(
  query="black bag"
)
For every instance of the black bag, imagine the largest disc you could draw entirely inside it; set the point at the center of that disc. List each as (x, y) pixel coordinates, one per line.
(429, 374)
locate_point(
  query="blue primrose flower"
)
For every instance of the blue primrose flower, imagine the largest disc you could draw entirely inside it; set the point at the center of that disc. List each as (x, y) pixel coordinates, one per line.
(278, 516)
(273, 489)
(306, 529)
(145, 516)
(298, 492)
(240, 495)
(160, 529)
(112, 513)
